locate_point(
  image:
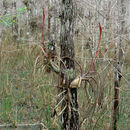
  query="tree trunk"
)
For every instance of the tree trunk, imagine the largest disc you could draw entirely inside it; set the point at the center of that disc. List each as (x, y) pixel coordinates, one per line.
(15, 24)
(70, 116)
(119, 61)
(0, 36)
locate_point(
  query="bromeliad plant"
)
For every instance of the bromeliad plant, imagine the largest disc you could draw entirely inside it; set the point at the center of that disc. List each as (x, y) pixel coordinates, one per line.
(68, 73)
(76, 82)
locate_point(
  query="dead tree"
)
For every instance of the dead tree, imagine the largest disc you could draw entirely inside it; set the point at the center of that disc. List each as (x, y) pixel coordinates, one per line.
(70, 116)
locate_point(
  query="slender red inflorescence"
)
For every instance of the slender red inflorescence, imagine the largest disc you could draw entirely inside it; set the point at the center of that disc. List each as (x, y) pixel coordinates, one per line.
(43, 32)
(93, 63)
(43, 27)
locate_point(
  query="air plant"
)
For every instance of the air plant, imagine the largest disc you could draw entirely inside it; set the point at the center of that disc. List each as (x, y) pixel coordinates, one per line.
(70, 77)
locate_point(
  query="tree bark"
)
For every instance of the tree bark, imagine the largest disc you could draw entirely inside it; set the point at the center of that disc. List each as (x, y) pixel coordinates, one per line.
(0, 36)
(15, 23)
(119, 62)
(70, 116)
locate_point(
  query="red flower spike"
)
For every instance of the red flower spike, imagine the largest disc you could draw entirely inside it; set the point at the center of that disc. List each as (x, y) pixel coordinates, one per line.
(43, 32)
(93, 63)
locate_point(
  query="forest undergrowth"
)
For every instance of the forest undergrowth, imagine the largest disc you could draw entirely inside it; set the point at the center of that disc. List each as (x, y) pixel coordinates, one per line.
(28, 93)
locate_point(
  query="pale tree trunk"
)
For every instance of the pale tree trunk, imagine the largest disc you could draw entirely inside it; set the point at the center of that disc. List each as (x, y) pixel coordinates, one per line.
(82, 45)
(87, 46)
(5, 6)
(29, 15)
(0, 36)
(54, 28)
(1, 5)
(70, 116)
(49, 20)
(18, 5)
(15, 24)
(119, 61)
(82, 50)
(0, 47)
